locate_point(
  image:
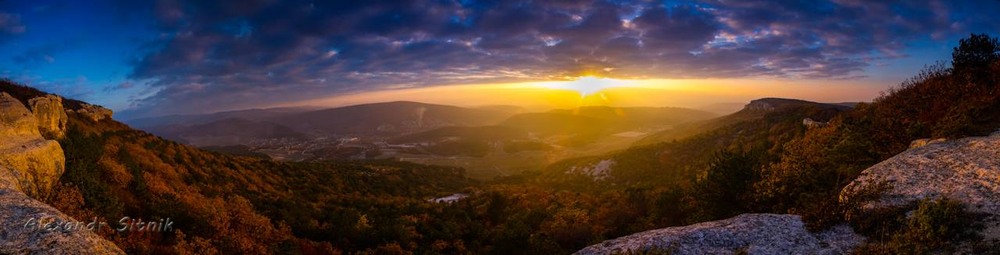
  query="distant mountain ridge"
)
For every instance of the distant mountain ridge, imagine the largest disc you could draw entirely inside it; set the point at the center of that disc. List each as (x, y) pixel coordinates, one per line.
(773, 103)
(230, 131)
(390, 117)
(194, 119)
(398, 118)
(243, 126)
(755, 109)
(604, 119)
(586, 121)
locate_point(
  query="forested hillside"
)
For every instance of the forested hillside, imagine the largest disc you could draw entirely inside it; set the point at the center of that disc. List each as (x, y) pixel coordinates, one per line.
(771, 162)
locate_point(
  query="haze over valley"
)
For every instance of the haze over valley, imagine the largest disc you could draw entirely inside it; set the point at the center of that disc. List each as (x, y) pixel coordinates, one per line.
(488, 141)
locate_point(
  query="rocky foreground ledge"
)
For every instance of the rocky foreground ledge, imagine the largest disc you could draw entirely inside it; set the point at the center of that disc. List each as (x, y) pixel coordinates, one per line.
(966, 170)
(26, 230)
(30, 164)
(743, 234)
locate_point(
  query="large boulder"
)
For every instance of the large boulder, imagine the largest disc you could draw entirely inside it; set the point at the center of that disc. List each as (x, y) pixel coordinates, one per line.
(747, 233)
(17, 124)
(25, 230)
(51, 117)
(31, 164)
(94, 113)
(33, 167)
(967, 170)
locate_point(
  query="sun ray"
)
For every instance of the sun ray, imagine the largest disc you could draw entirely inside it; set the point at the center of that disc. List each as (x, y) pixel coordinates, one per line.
(588, 85)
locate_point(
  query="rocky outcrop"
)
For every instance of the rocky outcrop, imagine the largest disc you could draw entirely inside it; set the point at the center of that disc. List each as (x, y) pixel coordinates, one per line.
(94, 113)
(50, 115)
(810, 123)
(32, 164)
(26, 229)
(772, 104)
(747, 233)
(759, 105)
(598, 171)
(967, 170)
(29, 167)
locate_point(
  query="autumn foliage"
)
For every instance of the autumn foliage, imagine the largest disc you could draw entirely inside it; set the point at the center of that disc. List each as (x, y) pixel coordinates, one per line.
(225, 204)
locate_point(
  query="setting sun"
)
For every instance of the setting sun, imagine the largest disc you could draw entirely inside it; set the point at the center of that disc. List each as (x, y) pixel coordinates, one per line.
(588, 85)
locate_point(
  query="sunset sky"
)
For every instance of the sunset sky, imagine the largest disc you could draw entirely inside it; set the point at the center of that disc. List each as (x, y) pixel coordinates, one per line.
(147, 58)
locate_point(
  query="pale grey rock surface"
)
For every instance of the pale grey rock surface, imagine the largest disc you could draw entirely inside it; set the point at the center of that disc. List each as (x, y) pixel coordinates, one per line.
(21, 235)
(967, 170)
(749, 233)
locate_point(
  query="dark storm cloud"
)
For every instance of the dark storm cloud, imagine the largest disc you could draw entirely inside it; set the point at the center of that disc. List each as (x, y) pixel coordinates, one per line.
(218, 54)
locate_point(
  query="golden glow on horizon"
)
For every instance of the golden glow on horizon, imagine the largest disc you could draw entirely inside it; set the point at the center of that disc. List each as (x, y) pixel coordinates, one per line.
(596, 91)
(588, 85)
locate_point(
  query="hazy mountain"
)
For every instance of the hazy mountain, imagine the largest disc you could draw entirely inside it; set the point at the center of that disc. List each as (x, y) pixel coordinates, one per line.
(642, 116)
(551, 123)
(764, 126)
(722, 108)
(481, 133)
(392, 118)
(603, 120)
(230, 131)
(754, 110)
(193, 119)
(512, 109)
(530, 141)
(581, 125)
(388, 118)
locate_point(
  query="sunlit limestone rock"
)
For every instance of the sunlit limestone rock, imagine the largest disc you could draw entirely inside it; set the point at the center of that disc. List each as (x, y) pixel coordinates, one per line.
(51, 117)
(18, 124)
(923, 142)
(36, 165)
(94, 112)
(743, 234)
(967, 170)
(29, 167)
(31, 163)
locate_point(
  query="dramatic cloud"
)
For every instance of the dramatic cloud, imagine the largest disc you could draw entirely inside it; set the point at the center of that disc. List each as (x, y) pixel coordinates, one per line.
(218, 54)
